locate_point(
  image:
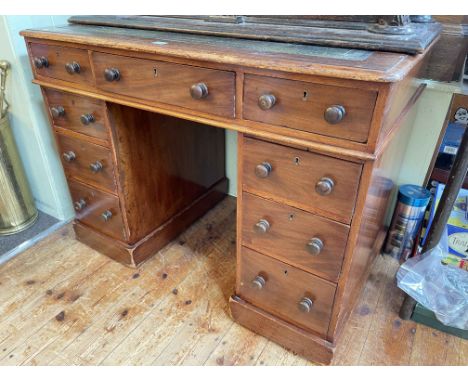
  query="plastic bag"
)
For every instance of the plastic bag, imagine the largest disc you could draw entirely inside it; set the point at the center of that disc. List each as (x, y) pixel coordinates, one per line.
(443, 289)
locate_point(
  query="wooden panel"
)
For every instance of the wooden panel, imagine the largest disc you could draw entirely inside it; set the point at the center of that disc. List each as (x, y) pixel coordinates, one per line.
(294, 176)
(58, 57)
(96, 203)
(364, 32)
(301, 105)
(76, 106)
(368, 229)
(291, 337)
(85, 155)
(285, 287)
(167, 83)
(164, 164)
(290, 231)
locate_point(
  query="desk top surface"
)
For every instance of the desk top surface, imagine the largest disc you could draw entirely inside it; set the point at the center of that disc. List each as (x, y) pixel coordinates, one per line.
(335, 62)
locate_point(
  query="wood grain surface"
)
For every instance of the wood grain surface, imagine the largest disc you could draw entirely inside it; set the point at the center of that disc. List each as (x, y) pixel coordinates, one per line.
(76, 106)
(294, 176)
(57, 57)
(290, 231)
(98, 202)
(87, 153)
(301, 105)
(167, 82)
(284, 288)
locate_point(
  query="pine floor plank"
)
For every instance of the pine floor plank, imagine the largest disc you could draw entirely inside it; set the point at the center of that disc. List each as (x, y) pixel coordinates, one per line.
(49, 303)
(219, 281)
(389, 340)
(98, 296)
(20, 284)
(183, 296)
(238, 347)
(126, 309)
(114, 315)
(90, 293)
(356, 331)
(209, 334)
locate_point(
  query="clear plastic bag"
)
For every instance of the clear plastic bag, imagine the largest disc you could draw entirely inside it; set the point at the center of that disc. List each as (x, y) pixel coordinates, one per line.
(443, 289)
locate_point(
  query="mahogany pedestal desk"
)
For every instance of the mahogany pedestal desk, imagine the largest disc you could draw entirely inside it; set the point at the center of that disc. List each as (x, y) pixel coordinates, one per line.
(139, 119)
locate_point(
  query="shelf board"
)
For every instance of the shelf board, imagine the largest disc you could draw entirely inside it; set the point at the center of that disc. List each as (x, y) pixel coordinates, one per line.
(442, 175)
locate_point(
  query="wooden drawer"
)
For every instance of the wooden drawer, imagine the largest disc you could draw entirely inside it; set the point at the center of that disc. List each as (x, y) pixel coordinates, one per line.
(81, 114)
(284, 289)
(299, 238)
(87, 154)
(302, 106)
(167, 83)
(295, 176)
(57, 59)
(97, 209)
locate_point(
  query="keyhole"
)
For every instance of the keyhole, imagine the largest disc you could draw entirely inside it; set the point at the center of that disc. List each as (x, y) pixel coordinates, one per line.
(285, 272)
(296, 160)
(305, 96)
(291, 217)
(155, 72)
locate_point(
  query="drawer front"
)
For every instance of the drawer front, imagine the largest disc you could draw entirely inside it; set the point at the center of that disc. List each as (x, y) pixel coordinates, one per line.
(97, 209)
(63, 63)
(80, 114)
(168, 83)
(307, 106)
(285, 290)
(296, 237)
(312, 182)
(78, 156)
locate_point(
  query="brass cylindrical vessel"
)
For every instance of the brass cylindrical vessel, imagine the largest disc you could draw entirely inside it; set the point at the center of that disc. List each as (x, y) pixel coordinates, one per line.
(17, 208)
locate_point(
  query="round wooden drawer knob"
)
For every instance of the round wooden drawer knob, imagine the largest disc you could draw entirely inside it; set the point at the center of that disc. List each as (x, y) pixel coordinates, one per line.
(72, 67)
(106, 215)
(41, 62)
(57, 111)
(266, 101)
(315, 246)
(86, 119)
(96, 166)
(334, 114)
(79, 205)
(305, 305)
(324, 186)
(258, 282)
(262, 170)
(262, 226)
(112, 74)
(199, 91)
(69, 156)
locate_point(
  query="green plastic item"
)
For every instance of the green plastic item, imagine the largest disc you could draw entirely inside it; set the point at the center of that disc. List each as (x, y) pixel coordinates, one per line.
(428, 318)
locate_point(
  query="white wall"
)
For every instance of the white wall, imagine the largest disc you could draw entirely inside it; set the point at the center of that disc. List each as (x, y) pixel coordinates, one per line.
(430, 113)
(29, 120)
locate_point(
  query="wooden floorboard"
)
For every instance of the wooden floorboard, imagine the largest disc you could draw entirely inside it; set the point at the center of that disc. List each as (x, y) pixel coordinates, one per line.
(62, 303)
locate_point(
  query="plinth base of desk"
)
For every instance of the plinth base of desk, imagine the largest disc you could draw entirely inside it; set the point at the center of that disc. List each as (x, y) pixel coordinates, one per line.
(133, 255)
(303, 343)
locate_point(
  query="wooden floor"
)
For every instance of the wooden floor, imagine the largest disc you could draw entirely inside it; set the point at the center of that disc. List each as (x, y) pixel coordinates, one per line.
(61, 303)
